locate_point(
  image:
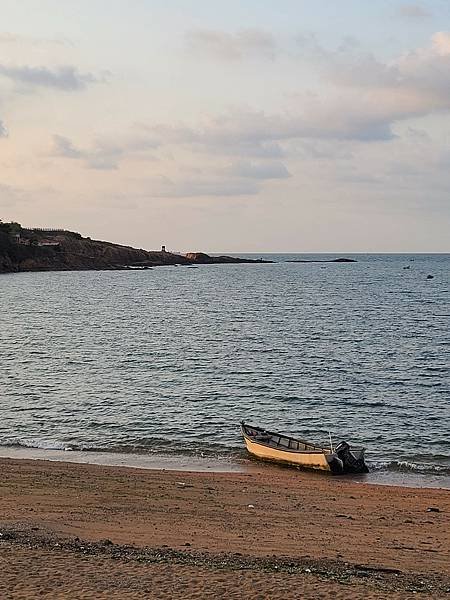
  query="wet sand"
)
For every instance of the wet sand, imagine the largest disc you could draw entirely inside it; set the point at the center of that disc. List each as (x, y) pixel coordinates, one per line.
(209, 464)
(270, 533)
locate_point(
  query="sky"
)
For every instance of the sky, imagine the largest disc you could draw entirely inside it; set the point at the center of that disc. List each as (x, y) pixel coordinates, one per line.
(238, 126)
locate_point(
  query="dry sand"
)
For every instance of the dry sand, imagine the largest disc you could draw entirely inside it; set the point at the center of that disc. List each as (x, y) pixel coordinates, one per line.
(273, 533)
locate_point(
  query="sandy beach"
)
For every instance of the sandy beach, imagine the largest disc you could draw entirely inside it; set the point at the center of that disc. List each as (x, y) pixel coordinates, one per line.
(89, 531)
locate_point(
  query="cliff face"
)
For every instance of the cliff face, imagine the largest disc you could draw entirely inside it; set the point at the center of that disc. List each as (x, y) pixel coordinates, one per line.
(71, 252)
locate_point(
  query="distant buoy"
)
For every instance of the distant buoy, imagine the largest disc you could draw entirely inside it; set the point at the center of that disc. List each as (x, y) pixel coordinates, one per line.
(430, 276)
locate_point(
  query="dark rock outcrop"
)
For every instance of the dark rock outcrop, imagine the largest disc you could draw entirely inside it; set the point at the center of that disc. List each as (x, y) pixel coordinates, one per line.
(333, 260)
(200, 258)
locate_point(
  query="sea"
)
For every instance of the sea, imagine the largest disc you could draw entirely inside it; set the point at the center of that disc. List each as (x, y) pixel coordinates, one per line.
(163, 364)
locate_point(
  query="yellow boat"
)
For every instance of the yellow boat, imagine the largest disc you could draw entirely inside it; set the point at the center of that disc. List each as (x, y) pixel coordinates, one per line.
(281, 448)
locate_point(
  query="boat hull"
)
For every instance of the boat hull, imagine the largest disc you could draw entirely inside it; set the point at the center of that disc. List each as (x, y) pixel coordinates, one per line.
(306, 460)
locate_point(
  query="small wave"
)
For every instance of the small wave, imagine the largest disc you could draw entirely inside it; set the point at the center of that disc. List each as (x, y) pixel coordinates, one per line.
(141, 446)
(172, 447)
(400, 466)
(363, 403)
(38, 444)
(160, 446)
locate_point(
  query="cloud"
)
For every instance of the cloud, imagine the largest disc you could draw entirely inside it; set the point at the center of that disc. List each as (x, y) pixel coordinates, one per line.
(100, 157)
(373, 95)
(423, 68)
(14, 38)
(66, 78)
(105, 153)
(221, 136)
(321, 150)
(64, 147)
(253, 131)
(413, 11)
(252, 170)
(240, 178)
(364, 101)
(423, 73)
(441, 43)
(8, 38)
(236, 147)
(248, 43)
(417, 134)
(10, 196)
(190, 188)
(164, 187)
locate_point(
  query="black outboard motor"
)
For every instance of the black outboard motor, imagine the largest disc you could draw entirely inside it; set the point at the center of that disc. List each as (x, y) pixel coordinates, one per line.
(352, 463)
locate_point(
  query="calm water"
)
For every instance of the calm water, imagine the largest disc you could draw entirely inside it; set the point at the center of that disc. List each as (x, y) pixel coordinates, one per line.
(171, 359)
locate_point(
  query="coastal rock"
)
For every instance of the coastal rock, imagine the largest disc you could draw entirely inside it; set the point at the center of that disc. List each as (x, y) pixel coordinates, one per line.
(205, 259)
(333, 260)
(59, 250)
(343, 260)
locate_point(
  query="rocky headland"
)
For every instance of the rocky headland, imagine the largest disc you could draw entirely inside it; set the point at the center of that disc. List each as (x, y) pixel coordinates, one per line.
(58, 250)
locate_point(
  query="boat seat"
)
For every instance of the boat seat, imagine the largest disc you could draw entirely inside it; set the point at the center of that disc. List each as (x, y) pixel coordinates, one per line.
(262, 437)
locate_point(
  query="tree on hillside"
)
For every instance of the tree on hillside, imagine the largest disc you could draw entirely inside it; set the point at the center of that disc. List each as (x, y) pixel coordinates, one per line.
(10, 228)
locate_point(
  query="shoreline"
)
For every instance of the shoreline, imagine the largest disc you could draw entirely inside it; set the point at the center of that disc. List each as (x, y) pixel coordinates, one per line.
(223, 464)
(218, 529)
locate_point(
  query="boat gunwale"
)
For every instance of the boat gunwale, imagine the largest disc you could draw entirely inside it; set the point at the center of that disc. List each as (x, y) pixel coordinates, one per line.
(290, 450)
(314, 450)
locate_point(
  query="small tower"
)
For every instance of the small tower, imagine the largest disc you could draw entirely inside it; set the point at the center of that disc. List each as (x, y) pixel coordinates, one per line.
(163, 248)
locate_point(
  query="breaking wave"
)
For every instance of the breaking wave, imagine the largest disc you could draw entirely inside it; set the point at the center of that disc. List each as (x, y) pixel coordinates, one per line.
(403, 466)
